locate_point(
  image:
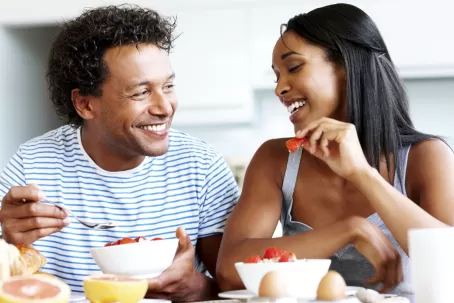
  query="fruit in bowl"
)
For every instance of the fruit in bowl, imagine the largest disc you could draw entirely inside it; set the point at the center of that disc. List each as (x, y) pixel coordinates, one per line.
(302, 277)
(110, 288)
(272, 255)
(146, 258)
(128, 240)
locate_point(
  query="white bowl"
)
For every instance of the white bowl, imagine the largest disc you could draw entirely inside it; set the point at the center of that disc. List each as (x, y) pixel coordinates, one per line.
(302, 276)
(145, 259)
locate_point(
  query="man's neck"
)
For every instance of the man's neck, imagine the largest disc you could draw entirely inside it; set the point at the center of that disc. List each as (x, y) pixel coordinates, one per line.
(105, 156)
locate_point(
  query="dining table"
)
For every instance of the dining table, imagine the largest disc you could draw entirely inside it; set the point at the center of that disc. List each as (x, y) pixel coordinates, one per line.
(408, 296)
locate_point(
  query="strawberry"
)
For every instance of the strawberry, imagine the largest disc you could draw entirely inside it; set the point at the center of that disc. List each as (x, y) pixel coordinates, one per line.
(127, 241)
(253, 259)
(157, 239)
(139, 239)
(288, 257)
(273, 253)
(294, 143)
(108, 244)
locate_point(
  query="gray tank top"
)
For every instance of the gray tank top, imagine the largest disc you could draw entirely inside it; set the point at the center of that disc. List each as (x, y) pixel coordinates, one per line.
(353, 266)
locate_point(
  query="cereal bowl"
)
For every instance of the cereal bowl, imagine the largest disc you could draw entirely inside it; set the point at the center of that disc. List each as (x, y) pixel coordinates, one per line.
(145, 259)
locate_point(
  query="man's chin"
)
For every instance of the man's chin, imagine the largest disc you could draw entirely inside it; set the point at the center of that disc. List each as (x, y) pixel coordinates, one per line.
(156, 151)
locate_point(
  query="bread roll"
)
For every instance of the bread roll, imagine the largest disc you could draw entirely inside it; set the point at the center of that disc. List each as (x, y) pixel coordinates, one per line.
(29, 261)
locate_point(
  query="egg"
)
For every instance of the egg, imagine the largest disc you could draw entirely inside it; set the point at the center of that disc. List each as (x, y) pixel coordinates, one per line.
(331, 287)
(368, 296)
(273, 285)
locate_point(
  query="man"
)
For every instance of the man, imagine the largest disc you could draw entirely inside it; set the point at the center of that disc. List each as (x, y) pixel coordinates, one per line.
(117, 159)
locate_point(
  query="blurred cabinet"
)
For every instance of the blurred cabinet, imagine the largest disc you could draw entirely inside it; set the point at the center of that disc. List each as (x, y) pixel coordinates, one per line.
(212, 67)
(224, 51)
(418, 36)
(210, 57)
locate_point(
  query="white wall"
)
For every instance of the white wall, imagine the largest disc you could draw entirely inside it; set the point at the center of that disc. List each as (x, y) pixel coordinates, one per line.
(431, 105)
(26, 110)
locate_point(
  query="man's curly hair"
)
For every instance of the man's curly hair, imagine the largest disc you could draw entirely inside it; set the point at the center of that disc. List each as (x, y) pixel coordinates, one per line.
(77, 56)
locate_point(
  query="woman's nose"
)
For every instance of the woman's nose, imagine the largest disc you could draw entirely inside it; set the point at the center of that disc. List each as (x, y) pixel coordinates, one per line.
(281, 88)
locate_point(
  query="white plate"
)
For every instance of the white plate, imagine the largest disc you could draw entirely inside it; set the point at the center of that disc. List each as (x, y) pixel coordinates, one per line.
(82, 299)
(244, 294)
(352, 290)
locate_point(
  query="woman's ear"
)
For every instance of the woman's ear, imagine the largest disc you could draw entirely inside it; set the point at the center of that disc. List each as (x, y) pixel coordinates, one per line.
(84, 105)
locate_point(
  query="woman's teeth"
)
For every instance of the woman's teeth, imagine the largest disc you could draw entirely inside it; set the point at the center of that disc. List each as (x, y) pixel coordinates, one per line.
(154, 128)
(295, 106)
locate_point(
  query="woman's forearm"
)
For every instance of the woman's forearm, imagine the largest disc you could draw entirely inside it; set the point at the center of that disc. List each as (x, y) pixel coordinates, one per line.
(397, 211)
(321, 243)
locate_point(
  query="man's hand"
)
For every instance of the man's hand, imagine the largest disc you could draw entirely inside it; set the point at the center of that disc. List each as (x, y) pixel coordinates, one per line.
(181, 282)
(24, 220)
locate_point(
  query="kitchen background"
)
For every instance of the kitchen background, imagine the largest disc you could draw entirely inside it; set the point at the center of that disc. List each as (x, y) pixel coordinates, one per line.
(222, 61)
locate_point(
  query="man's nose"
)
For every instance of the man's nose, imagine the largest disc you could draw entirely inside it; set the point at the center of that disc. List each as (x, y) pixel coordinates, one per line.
(160, 106)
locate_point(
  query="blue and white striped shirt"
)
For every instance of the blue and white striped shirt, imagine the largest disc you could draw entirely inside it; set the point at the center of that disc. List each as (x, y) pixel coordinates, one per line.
(190, 186)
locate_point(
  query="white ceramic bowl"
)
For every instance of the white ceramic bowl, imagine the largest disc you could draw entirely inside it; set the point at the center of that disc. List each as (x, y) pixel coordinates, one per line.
(302, 277)
(142, 259)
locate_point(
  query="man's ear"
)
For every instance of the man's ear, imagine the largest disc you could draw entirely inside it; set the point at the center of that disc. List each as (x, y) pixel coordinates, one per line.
(84, 105)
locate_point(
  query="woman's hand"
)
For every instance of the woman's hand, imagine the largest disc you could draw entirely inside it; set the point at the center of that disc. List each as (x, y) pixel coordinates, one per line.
(378, 249)
(337, 144)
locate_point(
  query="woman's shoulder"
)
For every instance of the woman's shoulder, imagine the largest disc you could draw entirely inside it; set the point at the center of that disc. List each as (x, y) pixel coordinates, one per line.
(273, 149)
(428, 151)
(427, 160)
(271, 156)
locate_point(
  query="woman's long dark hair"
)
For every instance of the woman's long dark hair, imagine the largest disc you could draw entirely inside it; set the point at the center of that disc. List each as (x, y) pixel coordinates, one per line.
(377, 100)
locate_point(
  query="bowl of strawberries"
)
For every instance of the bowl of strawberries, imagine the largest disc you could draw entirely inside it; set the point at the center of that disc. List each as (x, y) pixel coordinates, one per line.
(302, 276)
(139, 257)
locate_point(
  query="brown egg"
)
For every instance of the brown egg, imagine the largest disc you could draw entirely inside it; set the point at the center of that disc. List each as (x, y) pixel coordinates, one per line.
(331, 287)
(273, 285)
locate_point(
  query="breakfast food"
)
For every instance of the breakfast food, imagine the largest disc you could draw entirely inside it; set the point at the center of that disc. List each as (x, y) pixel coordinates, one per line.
(19, 260)
(110, 288)
(332, 287)
(34, 288)
(294, 143)
(273, 285)
(272, 255)
(368, 295)
(130, 240)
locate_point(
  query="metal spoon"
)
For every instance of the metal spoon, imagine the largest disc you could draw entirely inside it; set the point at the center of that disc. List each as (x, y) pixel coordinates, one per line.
(89, 224)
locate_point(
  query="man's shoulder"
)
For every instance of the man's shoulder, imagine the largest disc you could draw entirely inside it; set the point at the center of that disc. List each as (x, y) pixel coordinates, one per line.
(183, 143)
(60, 136)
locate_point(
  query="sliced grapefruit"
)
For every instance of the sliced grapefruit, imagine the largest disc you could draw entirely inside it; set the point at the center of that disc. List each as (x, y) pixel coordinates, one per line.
(35, 288)
(110, 288)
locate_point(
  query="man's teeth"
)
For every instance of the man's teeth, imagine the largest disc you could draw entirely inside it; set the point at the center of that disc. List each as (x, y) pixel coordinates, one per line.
(295, 105)
(154, 128)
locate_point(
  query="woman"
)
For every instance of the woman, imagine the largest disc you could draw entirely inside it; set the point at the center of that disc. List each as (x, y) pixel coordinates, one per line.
(364, 176)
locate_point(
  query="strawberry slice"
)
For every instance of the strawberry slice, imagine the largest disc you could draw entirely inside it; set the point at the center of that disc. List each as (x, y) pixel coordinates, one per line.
(253, 259)
(288, 257)
(139, 239)
(126, 241)
(273, 253)
(157, 239)
(294, 143)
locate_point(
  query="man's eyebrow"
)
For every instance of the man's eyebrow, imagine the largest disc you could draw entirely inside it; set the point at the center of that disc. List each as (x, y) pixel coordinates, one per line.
(146, 82)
